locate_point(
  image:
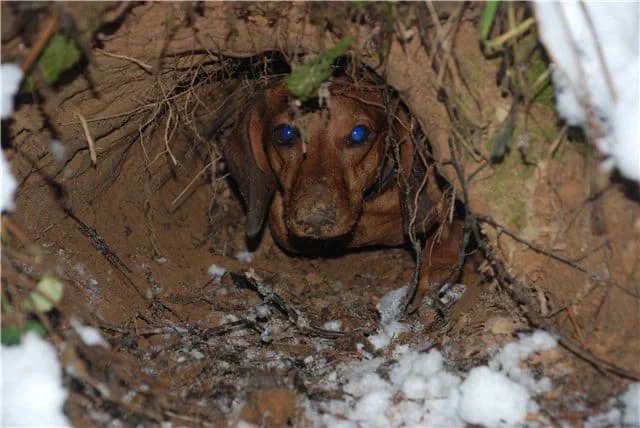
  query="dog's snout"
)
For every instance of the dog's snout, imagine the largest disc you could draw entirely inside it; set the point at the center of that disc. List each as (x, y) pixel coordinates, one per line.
(317, 216)
(315, 213)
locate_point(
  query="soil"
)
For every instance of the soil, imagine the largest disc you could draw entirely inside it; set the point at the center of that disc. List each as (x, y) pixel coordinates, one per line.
(134, 237)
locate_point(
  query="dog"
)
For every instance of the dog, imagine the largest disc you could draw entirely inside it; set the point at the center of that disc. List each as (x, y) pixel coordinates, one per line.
(346, 172)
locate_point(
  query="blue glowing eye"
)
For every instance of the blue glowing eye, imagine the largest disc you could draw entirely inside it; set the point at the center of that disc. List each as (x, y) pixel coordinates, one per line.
(285, 134)
(359, 134)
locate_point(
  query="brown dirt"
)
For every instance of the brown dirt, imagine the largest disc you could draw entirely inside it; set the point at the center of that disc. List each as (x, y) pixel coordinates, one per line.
(159, 308)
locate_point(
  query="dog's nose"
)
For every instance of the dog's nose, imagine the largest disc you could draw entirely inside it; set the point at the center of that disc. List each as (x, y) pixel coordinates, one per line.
(317, 216)
(315, 213)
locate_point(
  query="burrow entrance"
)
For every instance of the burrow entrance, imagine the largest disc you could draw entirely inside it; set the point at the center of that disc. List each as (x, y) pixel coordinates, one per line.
(150, 240)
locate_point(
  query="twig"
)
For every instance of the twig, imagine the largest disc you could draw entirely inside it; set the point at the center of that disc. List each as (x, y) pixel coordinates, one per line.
(87, 134)
(593, 276)
(101, 245)
(536, 248)
(167, 137)
(557, 141)
(16, 231)
(576, 327)
(515, 32)
(252, 281)
(41, 43)
(191, 182)
(145, 67)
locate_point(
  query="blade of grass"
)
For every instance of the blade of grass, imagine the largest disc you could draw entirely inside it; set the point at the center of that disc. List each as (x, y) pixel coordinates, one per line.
(488, 16)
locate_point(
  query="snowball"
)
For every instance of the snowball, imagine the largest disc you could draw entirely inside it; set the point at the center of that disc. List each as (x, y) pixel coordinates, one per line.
(11, 79)
(32, 392)
(491, 399)
(508, 360)
(245, 256)
(386, 333)
(57, 149)
(89, 335)
(371, 408)
(216, 273)
(334, 325)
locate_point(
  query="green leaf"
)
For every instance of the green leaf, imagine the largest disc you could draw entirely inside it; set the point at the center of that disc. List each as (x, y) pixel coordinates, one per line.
(46, 295)
(305, 81)
(11, 334)
(60, 55)
(488, 16)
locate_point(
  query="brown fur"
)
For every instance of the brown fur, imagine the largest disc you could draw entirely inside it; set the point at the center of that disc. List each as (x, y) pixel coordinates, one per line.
(330, 191)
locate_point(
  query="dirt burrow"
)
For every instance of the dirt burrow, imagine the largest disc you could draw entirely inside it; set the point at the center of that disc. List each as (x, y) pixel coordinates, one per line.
(144, 232)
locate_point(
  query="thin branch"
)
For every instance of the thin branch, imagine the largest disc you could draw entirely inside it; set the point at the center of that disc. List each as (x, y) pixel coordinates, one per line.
(145, 67)
(87, 134)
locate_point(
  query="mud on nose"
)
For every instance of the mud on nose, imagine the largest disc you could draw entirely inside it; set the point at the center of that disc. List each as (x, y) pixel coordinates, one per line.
(316, 217)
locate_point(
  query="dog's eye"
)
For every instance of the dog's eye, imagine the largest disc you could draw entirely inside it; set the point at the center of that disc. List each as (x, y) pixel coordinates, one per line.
(284, 134)
(359, 134)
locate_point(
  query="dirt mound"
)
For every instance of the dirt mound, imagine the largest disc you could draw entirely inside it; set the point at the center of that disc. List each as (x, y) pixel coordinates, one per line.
(142, 234)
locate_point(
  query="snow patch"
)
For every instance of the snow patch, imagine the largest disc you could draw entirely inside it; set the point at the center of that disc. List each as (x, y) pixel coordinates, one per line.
(594, 90)
(245, 256)
(216, 273)
(89, 335)
(415, 389)
(390, 309)
(11, 79)
(489, 398)
(32, 379)
(334, 325)
(631, 400)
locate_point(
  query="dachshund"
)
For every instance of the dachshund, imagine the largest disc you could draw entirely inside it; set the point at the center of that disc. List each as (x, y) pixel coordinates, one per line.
(346, 172)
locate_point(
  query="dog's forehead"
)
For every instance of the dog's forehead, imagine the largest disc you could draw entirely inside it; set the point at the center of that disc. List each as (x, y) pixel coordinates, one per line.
(345, 97)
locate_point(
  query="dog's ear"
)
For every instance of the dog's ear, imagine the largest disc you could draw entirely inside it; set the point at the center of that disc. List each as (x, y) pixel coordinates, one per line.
(417, 183)
(247, 162)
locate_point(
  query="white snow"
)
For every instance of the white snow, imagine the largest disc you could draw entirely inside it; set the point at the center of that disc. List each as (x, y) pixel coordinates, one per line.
(32, 393)
(7, 184)
(11, 79)
(11, 76)
(89, 335)
(418, 390)
(390, 309)
(621, 411)
(491, 399)
(591, 89)
(334, 325)
(57, 149)
(508, 360)
(245, 256)
(216, 273)
(631, 400)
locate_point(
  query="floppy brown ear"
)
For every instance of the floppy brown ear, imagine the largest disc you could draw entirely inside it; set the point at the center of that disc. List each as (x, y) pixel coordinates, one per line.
(247, 162)
(418, 209)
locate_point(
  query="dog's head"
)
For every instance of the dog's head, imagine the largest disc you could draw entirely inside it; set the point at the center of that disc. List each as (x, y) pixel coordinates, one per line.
(321, 162)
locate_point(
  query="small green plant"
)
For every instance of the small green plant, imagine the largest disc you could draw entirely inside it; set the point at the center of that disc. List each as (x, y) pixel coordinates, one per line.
(305, 81)
(12, 333)
(60, 55)
(43, 299)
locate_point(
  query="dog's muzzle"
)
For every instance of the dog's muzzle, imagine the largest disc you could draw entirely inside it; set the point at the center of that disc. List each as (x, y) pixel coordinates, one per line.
(317, 215)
